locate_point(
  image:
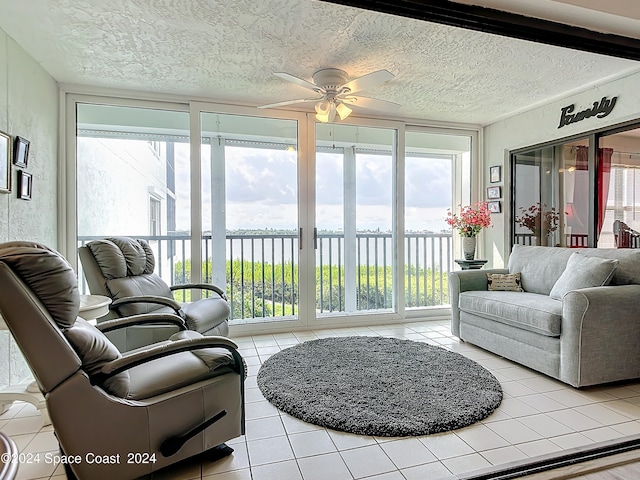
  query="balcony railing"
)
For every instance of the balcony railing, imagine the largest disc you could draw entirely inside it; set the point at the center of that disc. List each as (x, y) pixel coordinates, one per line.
(261, 270)
(574, 240)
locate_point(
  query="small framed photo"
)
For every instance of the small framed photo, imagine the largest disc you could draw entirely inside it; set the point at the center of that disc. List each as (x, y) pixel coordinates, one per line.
(25, 185)
(5, 163)
(494, 206)
(495, 174)
(494, 193)
(21, 152)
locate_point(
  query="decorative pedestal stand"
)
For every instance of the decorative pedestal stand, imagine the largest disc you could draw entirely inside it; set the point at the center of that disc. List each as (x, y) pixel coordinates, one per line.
(26, 392)
(470, 264)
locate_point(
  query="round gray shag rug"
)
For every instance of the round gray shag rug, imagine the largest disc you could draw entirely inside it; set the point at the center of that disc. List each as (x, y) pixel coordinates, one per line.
(379, 386)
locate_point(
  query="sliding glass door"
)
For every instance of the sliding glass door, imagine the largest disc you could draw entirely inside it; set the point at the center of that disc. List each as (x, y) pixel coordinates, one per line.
(250, 213)
(356, 266)
(133, 179)
(437, 176)
(297, 221)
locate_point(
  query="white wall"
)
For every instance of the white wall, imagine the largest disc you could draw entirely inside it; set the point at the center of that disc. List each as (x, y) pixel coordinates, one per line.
(28, 108)
(541, 125)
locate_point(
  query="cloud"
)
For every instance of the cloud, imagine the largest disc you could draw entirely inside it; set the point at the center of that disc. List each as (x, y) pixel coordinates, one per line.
(268, 176)
(262, 190)
(428, 182)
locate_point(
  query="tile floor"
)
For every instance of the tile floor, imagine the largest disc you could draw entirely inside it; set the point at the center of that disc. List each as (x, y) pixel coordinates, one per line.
(538, 417)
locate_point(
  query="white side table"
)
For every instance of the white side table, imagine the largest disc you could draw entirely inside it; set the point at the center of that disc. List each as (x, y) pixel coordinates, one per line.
(91, 308)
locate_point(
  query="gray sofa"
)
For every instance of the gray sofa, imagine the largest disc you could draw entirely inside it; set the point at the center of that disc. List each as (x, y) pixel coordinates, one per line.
(586, 335)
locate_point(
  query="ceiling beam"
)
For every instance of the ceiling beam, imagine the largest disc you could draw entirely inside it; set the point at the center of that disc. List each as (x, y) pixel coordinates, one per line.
(507, 24)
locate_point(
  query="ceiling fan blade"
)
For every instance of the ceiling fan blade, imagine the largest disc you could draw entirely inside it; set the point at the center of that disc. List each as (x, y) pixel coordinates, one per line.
(290, 102)
(372, 103)
(299, 81)
(370, 80)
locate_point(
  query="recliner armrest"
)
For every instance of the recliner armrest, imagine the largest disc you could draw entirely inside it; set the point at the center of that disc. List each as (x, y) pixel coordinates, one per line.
(139, 357)
(142, 319)
(199, 286)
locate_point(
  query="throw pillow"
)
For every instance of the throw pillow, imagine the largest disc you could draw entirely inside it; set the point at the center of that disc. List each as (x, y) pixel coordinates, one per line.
(506, 282)
(583, 272)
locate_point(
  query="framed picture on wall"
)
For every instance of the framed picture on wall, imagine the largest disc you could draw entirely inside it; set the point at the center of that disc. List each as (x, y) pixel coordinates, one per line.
(25, 185)
(21, 152)
(494, 193)
(5, 163)
(494, 206)
(495, 174)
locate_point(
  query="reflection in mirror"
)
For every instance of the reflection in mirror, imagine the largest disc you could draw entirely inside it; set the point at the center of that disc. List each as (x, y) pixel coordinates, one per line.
(621, 215)
(561, 194)
(551, 195)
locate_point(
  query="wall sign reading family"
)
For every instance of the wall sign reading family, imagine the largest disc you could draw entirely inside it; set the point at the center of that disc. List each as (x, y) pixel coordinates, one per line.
(599, 110)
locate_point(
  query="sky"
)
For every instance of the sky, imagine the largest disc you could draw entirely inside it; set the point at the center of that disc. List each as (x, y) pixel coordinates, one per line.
(262, 191)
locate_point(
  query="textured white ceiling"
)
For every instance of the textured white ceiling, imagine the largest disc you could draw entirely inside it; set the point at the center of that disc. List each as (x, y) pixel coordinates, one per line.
(226, 50)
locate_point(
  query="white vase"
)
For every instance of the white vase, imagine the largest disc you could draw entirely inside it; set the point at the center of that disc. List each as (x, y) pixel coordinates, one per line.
(469, 247)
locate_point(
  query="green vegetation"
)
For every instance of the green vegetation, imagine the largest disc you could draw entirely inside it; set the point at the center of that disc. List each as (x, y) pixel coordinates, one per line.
(266, 290)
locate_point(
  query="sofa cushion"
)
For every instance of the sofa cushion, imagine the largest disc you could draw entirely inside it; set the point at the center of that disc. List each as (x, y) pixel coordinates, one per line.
(584, 272)
(628, 271)
(506, 282)
(540, 267)
(529, 311)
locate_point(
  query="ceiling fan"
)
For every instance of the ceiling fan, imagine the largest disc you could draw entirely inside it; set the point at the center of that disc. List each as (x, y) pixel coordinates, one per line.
(335, 92)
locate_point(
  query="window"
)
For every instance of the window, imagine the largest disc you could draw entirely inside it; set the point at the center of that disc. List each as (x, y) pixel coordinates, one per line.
(155, 148)
(154, 216)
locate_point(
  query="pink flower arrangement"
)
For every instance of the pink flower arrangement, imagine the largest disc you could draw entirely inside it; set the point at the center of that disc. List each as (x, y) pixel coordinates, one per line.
(471, 219)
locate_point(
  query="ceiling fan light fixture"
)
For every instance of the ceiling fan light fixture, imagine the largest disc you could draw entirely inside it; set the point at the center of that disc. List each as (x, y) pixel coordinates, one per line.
(332, 112)
(322, 117)
(326, 111)
(343, 111)
(322, 111)
(322, 107)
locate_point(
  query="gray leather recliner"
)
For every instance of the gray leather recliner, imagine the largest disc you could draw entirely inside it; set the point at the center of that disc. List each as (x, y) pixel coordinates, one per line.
(120, 415)
(122, 268)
